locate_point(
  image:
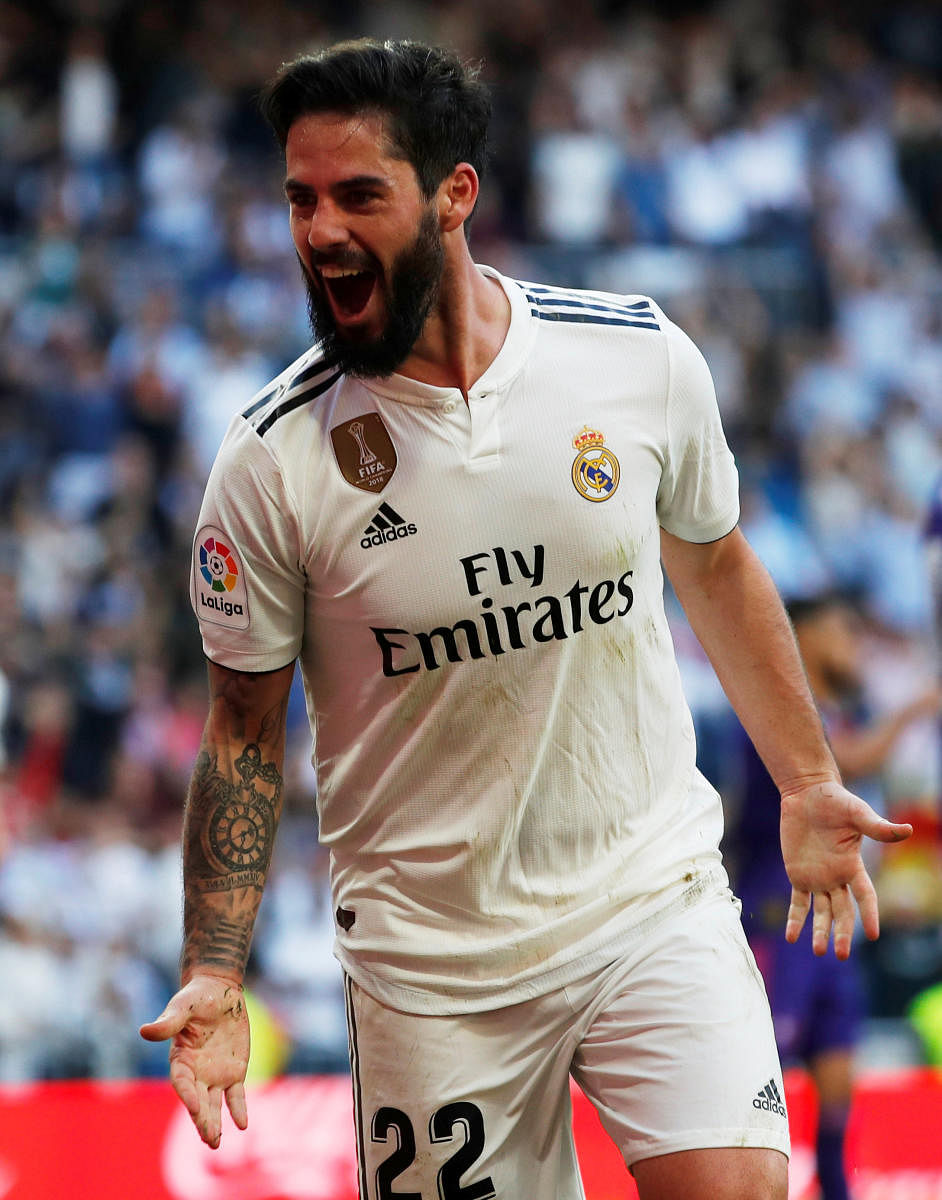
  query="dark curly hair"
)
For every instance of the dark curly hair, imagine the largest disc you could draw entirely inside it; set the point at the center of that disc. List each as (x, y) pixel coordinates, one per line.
(436, 108)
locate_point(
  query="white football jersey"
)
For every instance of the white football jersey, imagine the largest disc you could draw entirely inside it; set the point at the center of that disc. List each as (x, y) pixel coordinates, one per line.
(505, 760)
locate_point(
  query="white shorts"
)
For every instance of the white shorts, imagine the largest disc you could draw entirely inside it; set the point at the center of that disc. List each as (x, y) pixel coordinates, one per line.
(673, 1044)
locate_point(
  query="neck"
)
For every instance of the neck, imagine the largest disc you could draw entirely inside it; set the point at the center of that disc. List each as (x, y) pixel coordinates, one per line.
(465, 329)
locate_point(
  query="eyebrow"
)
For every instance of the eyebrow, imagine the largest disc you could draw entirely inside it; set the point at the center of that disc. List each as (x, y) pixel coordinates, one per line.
(344, 185)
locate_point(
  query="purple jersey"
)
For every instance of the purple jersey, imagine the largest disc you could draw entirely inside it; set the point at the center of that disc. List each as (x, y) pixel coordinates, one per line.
(933, 526)
(933, 535)
(817, 1003)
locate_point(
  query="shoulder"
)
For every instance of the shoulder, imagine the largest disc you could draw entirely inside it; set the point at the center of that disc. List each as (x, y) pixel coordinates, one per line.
(307, 378)
(577, 306)
(612, 326)
(266, 439)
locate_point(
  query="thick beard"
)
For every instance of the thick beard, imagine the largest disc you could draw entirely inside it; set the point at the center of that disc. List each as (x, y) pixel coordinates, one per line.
(414, 282)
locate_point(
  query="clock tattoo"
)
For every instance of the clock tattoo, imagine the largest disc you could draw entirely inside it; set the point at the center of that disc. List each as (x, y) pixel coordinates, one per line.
(240, 835)
(242, 828)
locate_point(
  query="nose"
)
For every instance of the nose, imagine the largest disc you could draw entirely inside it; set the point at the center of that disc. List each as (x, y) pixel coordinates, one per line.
(326, 230)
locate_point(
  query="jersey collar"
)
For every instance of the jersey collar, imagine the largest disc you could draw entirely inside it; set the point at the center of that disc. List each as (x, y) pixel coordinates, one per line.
(507, 363)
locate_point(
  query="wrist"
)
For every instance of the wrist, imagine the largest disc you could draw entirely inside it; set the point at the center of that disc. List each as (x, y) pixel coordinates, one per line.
(194, 972)
(798, 784)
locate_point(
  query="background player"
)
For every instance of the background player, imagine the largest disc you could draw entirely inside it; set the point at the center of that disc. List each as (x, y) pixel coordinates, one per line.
(934, 558)
(817, 1003)
(524, 858)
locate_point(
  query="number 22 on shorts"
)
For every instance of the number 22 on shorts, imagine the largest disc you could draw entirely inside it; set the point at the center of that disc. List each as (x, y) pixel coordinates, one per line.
(441, 1129)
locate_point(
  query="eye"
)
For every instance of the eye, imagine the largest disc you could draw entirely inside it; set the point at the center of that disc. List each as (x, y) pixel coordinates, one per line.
(301, 202)
(361, 197)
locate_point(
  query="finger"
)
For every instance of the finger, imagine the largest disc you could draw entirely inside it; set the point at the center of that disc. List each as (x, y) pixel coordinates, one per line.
(797, 912)
(891, 831)
(201, 1116)
(879, 828)
(843, 916)
(865, 895)
(184, 1084)
(213, 1117)
(821, 923)
(167, 1025)
(235, 1099)
(207, 1118)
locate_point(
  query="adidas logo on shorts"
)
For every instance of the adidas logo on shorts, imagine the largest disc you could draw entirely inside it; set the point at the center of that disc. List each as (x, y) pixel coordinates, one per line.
(769, 1099)
(386, 526)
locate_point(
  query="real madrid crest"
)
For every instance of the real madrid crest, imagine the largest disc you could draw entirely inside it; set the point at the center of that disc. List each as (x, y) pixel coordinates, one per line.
(595, 471)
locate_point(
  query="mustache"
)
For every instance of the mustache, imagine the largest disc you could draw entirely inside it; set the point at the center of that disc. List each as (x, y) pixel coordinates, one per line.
(345, 260)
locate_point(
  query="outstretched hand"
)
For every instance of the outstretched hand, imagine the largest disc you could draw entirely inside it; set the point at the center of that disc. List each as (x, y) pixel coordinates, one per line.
(822, 828)
(209, 1051)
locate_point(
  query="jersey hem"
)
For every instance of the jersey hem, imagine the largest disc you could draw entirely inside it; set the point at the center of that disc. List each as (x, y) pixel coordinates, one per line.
(585, 959)
(701, 535)
(265, 662)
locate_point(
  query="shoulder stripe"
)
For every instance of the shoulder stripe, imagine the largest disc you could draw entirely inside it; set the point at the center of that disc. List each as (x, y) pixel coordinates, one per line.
(561, 305)
(290, 403)
(587, 318)
(260, 402)
(311, 364)
(594, 308)
(579, 295)
(316, 368)
(292, 388)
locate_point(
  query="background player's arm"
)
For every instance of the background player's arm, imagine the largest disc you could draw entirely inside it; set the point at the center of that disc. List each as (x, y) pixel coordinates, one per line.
(232, 813)
(736, 613)
(862, 752)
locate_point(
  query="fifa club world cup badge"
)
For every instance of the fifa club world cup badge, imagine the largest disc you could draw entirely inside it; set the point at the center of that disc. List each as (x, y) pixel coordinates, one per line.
(364, 452)
(595, 471)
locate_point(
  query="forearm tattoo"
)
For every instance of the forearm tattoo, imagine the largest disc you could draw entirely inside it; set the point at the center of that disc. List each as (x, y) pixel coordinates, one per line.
(238, 836)
(229, 834)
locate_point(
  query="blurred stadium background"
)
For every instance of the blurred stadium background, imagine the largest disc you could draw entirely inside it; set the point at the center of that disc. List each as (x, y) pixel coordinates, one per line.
(771, 172)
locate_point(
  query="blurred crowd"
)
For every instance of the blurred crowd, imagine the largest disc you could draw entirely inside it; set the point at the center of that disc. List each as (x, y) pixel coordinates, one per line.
(769, 170)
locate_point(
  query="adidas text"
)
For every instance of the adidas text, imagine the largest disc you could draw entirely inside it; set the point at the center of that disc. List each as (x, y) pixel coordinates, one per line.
(769, 1099)
(387, 535)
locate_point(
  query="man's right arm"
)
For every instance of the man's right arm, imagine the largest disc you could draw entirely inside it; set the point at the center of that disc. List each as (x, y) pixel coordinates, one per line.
(232, 813)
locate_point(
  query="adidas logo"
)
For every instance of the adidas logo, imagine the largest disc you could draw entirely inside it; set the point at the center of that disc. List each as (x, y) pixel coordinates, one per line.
(386, 526)
(769, 1099)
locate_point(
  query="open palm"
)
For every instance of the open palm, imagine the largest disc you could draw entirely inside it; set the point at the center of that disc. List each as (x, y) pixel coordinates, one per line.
(209, 1051)
(822, 828)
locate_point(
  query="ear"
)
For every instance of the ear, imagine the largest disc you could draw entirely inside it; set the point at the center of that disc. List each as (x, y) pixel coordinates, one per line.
(457, 195)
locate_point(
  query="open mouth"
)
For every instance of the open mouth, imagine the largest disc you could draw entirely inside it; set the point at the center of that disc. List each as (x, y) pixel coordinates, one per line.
(349, 289)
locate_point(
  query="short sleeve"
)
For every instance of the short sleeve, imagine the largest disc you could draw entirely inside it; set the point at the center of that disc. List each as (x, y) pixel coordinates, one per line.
(698, 498)
(247, 584)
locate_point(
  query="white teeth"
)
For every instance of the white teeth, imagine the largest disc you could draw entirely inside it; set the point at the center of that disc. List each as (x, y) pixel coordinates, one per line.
(330, 272)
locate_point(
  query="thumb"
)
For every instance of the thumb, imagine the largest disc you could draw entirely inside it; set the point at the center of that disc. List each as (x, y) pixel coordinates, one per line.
(167, 1025)
(882, 830)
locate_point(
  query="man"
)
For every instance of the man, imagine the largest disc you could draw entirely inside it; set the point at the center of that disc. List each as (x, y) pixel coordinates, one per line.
(817, 1003)
(451, 512)
(933, 536)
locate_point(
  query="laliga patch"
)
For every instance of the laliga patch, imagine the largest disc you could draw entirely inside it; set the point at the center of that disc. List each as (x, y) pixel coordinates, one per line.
(364, 452)
(595, 471)
(219, 593)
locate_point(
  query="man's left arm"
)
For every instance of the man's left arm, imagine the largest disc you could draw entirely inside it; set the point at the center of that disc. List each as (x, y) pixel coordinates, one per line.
(734, 609)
